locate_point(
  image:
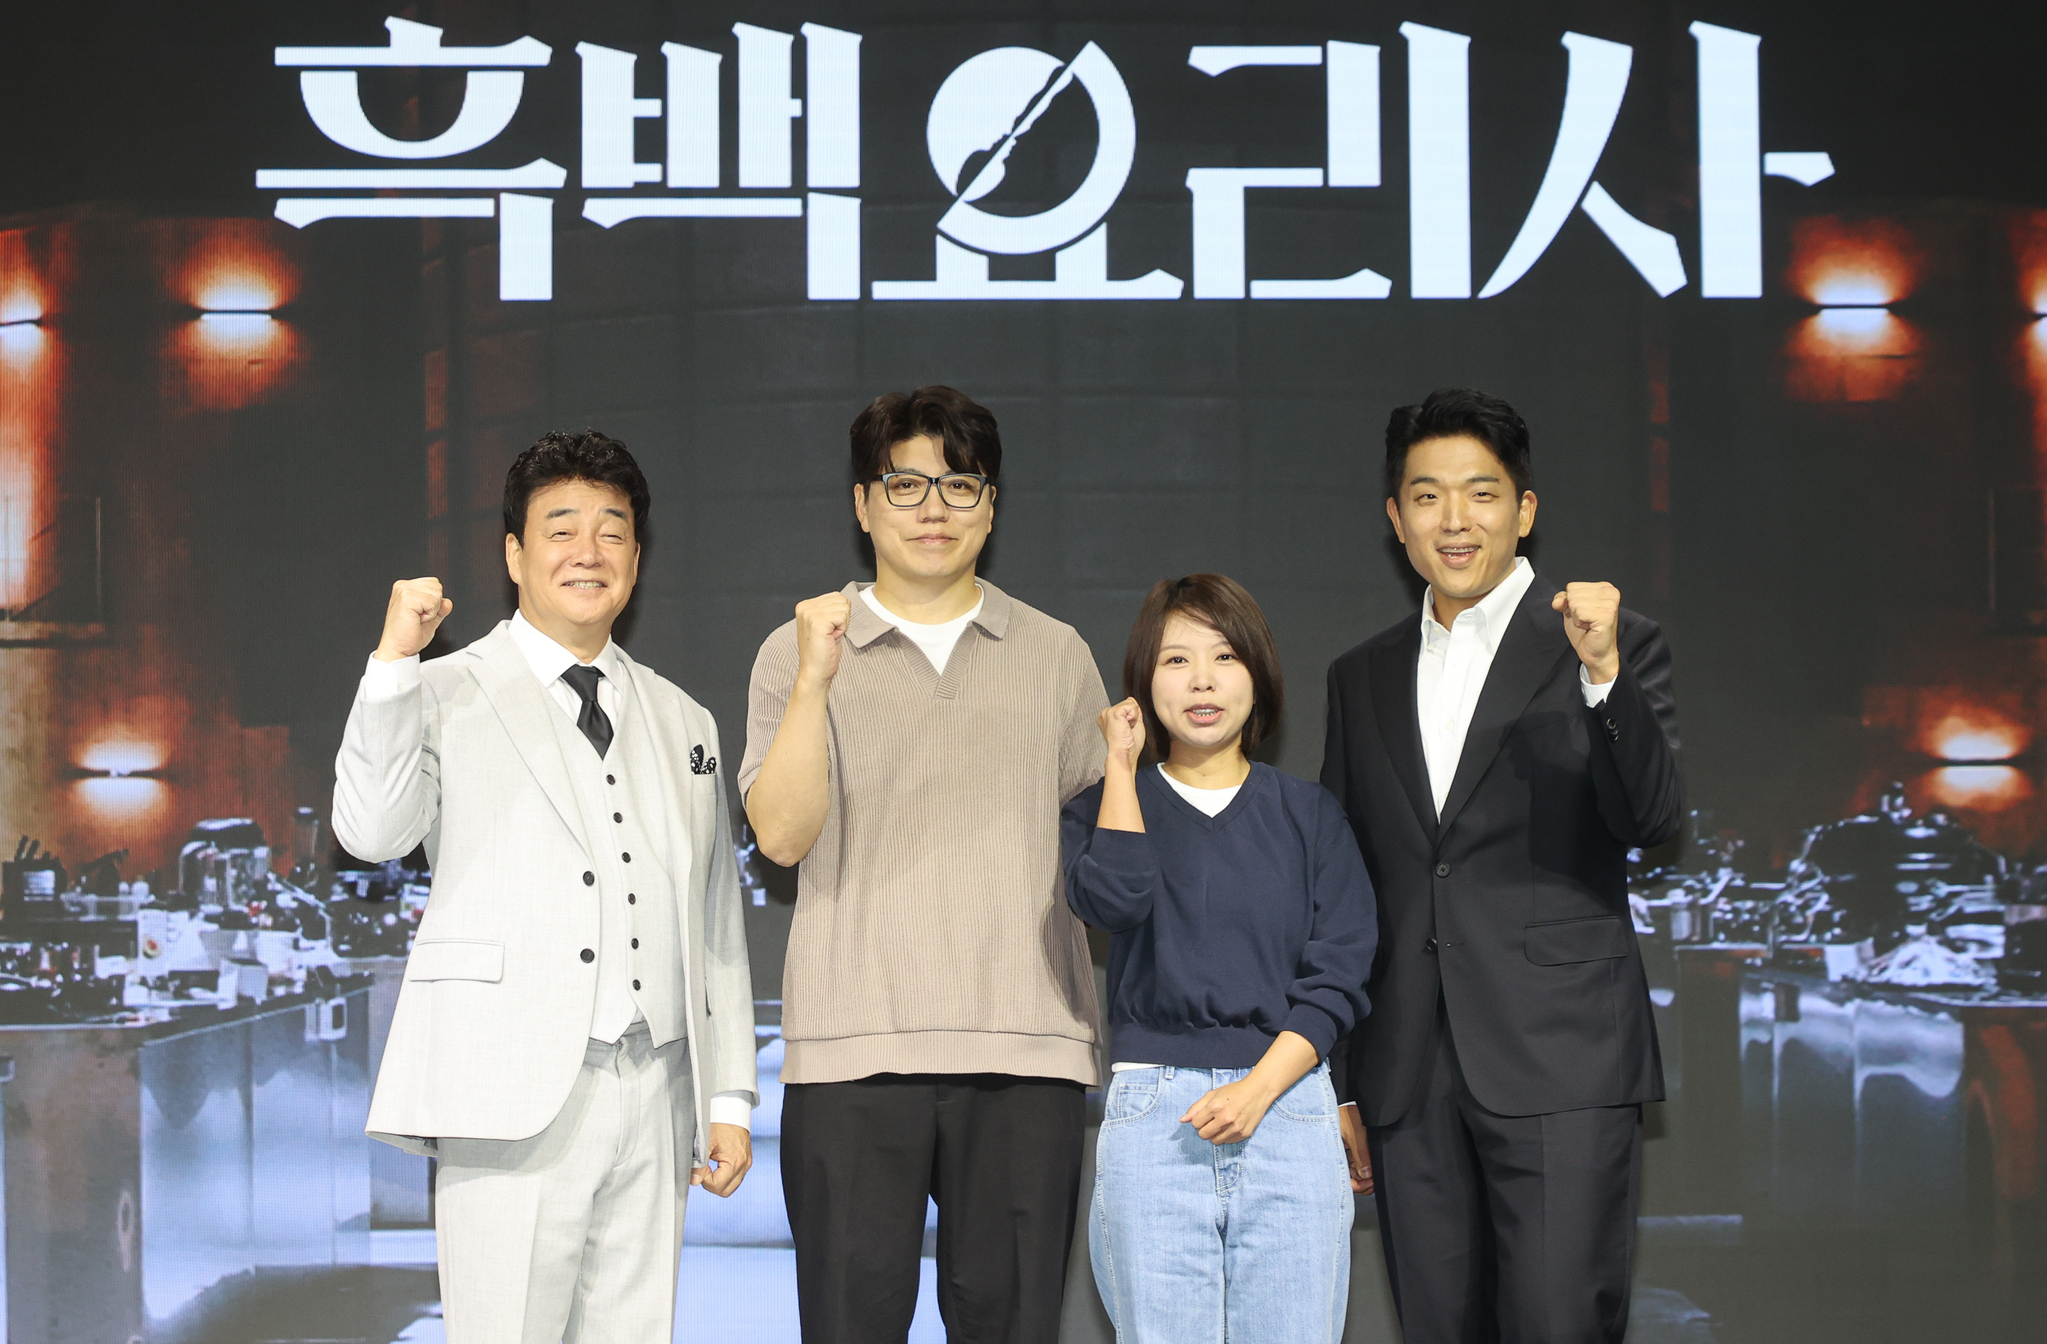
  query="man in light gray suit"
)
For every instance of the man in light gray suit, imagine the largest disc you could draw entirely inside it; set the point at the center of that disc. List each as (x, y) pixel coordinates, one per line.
(574, 1038)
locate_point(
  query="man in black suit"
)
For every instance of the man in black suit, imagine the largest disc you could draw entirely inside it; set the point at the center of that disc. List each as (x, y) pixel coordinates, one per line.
(1498, 757)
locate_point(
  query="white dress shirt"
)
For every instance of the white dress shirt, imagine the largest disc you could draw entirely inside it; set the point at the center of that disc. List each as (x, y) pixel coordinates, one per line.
(549, 660)
(1453, 667)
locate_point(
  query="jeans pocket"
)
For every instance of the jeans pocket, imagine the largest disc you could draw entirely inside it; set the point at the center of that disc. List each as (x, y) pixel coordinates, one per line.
(1312, 1098)
(1132, 1094)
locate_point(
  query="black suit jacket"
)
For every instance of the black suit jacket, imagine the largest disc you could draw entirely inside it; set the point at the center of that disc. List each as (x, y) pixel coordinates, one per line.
(1512, 909)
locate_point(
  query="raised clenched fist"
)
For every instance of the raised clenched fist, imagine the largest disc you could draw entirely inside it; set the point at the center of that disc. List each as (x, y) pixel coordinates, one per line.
(1122, 726)
(820, 636)
(1592, 613)
(416, 612)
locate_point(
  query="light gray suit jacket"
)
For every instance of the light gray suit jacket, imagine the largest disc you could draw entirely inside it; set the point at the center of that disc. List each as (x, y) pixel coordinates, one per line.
(494, 1015)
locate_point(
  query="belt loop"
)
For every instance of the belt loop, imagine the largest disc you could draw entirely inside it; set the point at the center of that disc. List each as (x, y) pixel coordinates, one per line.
(1169, 1073)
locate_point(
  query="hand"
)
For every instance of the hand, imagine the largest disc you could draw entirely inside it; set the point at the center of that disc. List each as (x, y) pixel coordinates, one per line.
(1122, 726)
(820, 636)
(1356, 1154)
(1592, 613)
(731, 1155)
(1230, 1113)
(416, 612)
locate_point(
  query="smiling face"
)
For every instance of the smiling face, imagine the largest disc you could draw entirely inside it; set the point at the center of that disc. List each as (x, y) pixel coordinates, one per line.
(1200, 689)
(932, 543)
(577, 563)
(1459, 517)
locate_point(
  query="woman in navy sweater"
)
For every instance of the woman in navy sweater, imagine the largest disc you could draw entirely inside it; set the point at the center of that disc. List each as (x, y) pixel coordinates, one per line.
(1244, 928)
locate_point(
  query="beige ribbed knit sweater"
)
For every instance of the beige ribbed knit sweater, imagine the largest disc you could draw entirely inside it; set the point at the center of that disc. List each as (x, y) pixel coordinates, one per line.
(931, 932)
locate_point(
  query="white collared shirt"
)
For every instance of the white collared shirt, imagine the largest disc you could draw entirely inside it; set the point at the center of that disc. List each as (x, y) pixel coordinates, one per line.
(549, 660)
(1452, 671)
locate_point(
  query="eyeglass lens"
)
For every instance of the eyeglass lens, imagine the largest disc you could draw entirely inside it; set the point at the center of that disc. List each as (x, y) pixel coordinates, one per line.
(908, 489)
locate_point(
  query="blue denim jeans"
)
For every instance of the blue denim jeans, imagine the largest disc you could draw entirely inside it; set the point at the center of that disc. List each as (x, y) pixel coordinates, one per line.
(1199, 1243)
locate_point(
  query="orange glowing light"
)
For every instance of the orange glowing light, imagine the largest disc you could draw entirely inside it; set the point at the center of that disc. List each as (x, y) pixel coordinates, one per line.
(119, 757)
(236, 295)
(1860, 330)
(20, 305)
(1980, 788)
(21, 341)
(1971, 733)
(123, 798)
(1851, 354)
(1853, 288)
(1855, 263)
(237, 266)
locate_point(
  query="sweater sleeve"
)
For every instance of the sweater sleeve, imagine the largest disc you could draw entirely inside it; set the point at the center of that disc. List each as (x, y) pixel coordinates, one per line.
(767, 699)
(1327, 998)
(1111, 876)
(1081, 749)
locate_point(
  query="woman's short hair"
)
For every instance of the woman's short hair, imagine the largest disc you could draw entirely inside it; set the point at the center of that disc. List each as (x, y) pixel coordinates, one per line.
(1224, 606)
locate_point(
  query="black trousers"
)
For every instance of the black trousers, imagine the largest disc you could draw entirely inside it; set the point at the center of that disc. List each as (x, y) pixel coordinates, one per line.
(1000, 1155)
(1506, 1229)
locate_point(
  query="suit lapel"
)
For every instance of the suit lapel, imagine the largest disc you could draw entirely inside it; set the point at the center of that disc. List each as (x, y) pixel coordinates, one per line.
(655, 762)
(1528, 656)
(1392, 673)
(523, 707)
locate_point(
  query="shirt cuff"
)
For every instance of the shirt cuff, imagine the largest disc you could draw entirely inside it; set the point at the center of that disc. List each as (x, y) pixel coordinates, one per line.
(1595, 696)
(388, 681)
(731, 1108)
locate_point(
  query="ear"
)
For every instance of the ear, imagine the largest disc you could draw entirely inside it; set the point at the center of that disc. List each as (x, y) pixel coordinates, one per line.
(513, 552)
(860, 506)
(1527, 512)
(636, 562)
(1393, 516)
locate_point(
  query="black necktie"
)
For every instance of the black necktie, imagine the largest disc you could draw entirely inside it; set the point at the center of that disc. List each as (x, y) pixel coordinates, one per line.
(594, 722)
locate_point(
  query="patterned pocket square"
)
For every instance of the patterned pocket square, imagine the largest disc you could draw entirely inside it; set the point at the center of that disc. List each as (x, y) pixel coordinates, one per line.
(700, 764)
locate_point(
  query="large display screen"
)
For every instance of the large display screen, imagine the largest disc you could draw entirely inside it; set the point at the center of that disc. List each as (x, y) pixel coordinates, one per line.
(284, 289)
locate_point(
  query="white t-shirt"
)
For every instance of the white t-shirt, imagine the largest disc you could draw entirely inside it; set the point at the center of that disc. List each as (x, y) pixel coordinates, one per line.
(937, 641)
(1210, 801)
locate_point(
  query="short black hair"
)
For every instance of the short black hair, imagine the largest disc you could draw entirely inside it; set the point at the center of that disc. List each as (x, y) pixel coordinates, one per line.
(965, 429)
(1221, 604)
(1449, 412)
(561, 456)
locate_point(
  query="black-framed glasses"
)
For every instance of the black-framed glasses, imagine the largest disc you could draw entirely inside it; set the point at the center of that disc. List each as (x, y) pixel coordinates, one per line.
(957, 489)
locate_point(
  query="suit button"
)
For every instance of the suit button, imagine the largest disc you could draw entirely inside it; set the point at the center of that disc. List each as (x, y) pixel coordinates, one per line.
(627, 857)
(636, 984)
(589, 879)
(618, 816)
(1442, 870)
(636, 942)
(1429, 946)
(611, 779)
(631, 899)
(588, 956)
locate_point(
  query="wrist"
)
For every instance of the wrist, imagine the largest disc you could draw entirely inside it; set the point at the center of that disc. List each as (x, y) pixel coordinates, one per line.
(1264, 1086)
(1599, 671)
(810, 683)
(387, 654)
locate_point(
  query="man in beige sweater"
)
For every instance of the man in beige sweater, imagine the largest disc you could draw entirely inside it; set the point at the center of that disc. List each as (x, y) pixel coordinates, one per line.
(910, 744)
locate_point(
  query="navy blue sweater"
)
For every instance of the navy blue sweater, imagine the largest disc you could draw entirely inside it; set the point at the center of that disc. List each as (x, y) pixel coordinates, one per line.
(1228, 929)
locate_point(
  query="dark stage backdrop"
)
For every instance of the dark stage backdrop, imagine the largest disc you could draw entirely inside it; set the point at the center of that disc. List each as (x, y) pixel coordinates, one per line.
(284, 288)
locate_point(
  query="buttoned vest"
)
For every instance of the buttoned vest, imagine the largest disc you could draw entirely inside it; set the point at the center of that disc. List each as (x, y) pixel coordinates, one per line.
(639, 948)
